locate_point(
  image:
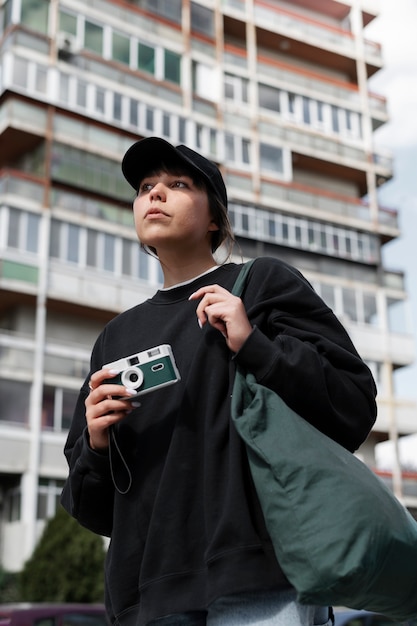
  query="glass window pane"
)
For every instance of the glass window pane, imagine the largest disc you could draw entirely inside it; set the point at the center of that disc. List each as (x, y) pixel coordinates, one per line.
(202, 19)
(370, 309)
(149, 118)
(271, 157)
(35, 14)
(396, 315)
(13, 234)
(91, 248)
(117, 106)
(100, 100)
(126, 257)
(349, 304)
(269, 98)
(146, 58)
(93, 37)
(328, 295)
(69, 399)
(172, 67)
(82, 94)
(109, 248)
(14, 401)
(41, 79)
(134, 112)
(121, 48)
(67, 22)
(20, 72)
(54, 245)
(73, 243)
(48, 404)
(143, 265)
(32, 233)
(42, 505)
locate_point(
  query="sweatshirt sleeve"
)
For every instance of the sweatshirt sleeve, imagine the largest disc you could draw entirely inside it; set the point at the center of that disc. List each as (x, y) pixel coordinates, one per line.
(299, 349)
(89, 491)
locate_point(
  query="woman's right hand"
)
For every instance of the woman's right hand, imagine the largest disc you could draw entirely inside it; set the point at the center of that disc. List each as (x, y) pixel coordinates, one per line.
(102, 409)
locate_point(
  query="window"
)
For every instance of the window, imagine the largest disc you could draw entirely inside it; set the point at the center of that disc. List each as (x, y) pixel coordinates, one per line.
(170, 9)
(20, 72)
(73, 243)
(268, 98)
(93, 39)
(35, 14)
(349, 304)
(172, 65)
(205, 81)
(49, 493)
(370, 309)
(13, 504)
(121, 48)
(271, 158)
(81, 94)
(150, 115)
(202, 19)
(236, 88)
(67, 22)
(23, 232)
(14, 399)
(146, 58)
(397, 321)
(58, 407)
(117, 107)
(133, 112)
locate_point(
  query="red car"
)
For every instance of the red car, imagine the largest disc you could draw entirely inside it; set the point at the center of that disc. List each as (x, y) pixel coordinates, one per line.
(43, 614)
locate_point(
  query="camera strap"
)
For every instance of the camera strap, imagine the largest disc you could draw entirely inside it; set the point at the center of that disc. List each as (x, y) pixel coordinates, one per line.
(114, 448)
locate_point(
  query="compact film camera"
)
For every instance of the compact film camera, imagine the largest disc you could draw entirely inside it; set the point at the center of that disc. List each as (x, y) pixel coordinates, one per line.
(145, 371)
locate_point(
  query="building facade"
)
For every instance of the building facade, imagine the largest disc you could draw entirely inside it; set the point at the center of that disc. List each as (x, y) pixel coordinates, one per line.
(276, 93)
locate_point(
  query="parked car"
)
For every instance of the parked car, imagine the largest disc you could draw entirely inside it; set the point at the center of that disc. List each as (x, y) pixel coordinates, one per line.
(349, 617)
(43, 614)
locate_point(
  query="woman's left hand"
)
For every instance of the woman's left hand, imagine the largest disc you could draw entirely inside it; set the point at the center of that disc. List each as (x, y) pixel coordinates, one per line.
(223, 311)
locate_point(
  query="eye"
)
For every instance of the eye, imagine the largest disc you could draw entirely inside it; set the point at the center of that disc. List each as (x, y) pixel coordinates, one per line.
(180, 184)
(145, 187)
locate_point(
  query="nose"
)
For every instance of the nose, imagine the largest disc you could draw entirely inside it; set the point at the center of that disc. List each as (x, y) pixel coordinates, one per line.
(158, 192)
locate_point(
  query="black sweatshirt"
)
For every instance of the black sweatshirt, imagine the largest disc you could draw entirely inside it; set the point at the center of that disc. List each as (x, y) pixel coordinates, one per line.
(189, 527)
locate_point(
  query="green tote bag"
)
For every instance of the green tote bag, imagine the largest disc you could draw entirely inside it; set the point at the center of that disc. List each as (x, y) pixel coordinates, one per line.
(339, 534)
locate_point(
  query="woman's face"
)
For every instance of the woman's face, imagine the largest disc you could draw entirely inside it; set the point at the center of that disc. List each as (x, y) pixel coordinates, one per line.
(172, 212)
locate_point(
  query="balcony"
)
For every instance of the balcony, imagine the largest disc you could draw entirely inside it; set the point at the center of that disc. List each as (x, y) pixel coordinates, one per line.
(289, 32)
(305, 200)
(308, 83)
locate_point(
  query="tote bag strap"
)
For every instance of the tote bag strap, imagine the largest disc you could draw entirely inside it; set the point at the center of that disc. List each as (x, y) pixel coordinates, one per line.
(239, 285)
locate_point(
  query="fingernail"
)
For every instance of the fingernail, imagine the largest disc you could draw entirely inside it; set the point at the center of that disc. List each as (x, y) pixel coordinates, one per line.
(199, 322)
(191, 297)
(136, 405)
(113, 372)
(131, 392)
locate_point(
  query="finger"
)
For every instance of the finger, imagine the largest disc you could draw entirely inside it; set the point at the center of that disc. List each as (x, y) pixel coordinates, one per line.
(200, 293)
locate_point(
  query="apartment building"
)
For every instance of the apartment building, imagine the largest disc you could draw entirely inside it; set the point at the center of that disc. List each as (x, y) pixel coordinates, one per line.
(276, 93)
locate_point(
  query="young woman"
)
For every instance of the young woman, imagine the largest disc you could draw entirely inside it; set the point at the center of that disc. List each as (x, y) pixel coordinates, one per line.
(168, 480)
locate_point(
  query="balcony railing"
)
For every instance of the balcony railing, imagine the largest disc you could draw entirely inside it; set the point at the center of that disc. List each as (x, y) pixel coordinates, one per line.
(302, 27)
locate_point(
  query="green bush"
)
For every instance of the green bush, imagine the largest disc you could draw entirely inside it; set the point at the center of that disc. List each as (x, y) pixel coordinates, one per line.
(9, 591)
(67, 565)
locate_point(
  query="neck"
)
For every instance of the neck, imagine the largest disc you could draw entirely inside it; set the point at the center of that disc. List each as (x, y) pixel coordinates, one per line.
(179, 270)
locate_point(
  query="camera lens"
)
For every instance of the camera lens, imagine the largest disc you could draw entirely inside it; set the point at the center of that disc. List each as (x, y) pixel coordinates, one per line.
(132, 378)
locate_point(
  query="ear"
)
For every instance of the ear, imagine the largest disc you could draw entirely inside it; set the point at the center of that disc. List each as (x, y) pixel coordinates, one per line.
(213, 226)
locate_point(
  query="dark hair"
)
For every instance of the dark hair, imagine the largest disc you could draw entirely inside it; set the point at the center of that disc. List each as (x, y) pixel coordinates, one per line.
(217, 209)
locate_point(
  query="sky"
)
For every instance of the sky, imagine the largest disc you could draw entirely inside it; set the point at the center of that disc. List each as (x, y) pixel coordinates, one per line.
(395, 29)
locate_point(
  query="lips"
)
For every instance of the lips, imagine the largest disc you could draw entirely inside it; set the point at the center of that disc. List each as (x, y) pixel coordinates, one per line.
(155, 212)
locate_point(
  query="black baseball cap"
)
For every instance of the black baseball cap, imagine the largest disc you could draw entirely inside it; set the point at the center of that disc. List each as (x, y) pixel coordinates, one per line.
(146, 154)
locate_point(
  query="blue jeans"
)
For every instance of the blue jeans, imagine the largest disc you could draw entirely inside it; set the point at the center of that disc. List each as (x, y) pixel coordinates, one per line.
(260, 608)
